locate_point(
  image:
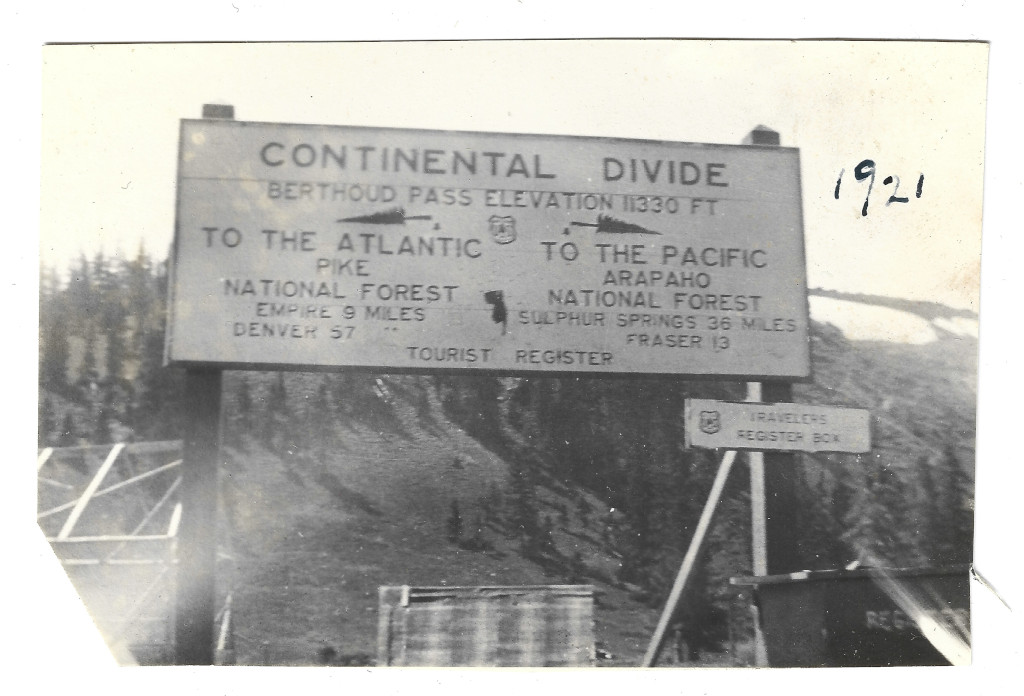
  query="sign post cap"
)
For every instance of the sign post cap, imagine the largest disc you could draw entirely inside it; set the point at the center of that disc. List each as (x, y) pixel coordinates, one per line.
(218, 111)
(762, 135)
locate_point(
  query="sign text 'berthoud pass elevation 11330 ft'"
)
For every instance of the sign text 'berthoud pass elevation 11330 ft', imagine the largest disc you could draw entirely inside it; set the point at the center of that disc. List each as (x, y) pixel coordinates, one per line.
(328, 246)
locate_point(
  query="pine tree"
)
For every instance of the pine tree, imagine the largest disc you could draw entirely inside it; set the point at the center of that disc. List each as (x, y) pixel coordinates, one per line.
(49, 284)
(101, 275)
(477, 541)
(109, 296)
(697, 618)
(68, 436)
(244, 406)
(949, 509)
(547, 537)
(81, 301)
(53, 334)
(114, 356)
(320, 421)
(728, 554)
(453, 524)
(101, 432)
(523, 517)
(819, 533)
(46, 421)
(160, 389)
(963, 516)
(583, 510)
(638, 546)
(116, 310)
(233, 386)
(140, 301)
(54, 355)
(878, 530)
(491, 504)
(89, 372)
(577, 569)
(921, 514)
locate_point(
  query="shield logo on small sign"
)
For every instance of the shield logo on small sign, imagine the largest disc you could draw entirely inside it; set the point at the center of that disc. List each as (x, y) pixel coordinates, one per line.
(503, 228)
(710, 422)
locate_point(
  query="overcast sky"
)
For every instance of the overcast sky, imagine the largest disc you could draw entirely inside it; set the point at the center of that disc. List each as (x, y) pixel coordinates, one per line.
(110, 128)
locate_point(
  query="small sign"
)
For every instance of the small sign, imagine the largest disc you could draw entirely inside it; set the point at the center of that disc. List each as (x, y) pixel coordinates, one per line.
(741, 425)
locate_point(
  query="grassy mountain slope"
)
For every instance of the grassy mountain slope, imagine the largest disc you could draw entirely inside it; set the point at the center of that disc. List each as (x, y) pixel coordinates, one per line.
(313, 539)
(921, 397)
(329, 497)
(315, 535)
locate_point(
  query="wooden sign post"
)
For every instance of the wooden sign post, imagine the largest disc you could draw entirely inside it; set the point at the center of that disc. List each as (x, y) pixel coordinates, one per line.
(197, 535)
(780, 503)
(772, 493)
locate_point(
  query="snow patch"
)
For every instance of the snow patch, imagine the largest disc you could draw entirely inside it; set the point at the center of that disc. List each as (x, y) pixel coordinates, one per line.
(961, 326)
(862, 322)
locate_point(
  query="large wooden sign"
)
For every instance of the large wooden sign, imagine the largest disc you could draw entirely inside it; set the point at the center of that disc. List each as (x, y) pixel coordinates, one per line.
(743, 425)
(326, 247)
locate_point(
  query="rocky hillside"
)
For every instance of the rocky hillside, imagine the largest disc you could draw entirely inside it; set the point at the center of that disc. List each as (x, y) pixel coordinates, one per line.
(336, 484)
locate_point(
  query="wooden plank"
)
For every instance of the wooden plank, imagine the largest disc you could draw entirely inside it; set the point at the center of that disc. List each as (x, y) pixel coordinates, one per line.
(108, 489)
(197, 538)
(110, 538)
(159, 504)
(153, 447)
(172, 528)
(114, 561)
(149, 515)
(58, 484)
(79, 507)
(145, 447)
(689, 560)
(43, 456)
(224, 638)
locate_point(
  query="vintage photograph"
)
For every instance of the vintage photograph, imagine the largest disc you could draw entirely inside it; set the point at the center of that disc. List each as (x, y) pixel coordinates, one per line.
(576, 353)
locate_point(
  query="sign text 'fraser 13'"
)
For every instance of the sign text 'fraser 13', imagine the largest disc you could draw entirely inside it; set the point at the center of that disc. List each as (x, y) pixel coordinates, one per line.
(329, 246)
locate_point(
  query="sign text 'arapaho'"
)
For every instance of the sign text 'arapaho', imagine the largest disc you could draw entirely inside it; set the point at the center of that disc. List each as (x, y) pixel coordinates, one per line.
(325, 247)
(786, 427)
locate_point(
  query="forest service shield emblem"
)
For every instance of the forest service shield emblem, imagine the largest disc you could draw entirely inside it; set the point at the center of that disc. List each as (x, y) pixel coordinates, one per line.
(503, 228)
(710, 422)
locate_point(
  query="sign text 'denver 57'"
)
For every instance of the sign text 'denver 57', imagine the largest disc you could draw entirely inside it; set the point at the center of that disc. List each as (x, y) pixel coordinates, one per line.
(787, 427)
(328, 246)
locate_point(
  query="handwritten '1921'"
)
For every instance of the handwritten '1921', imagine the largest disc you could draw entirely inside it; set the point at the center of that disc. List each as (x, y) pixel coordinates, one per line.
(866, 170)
